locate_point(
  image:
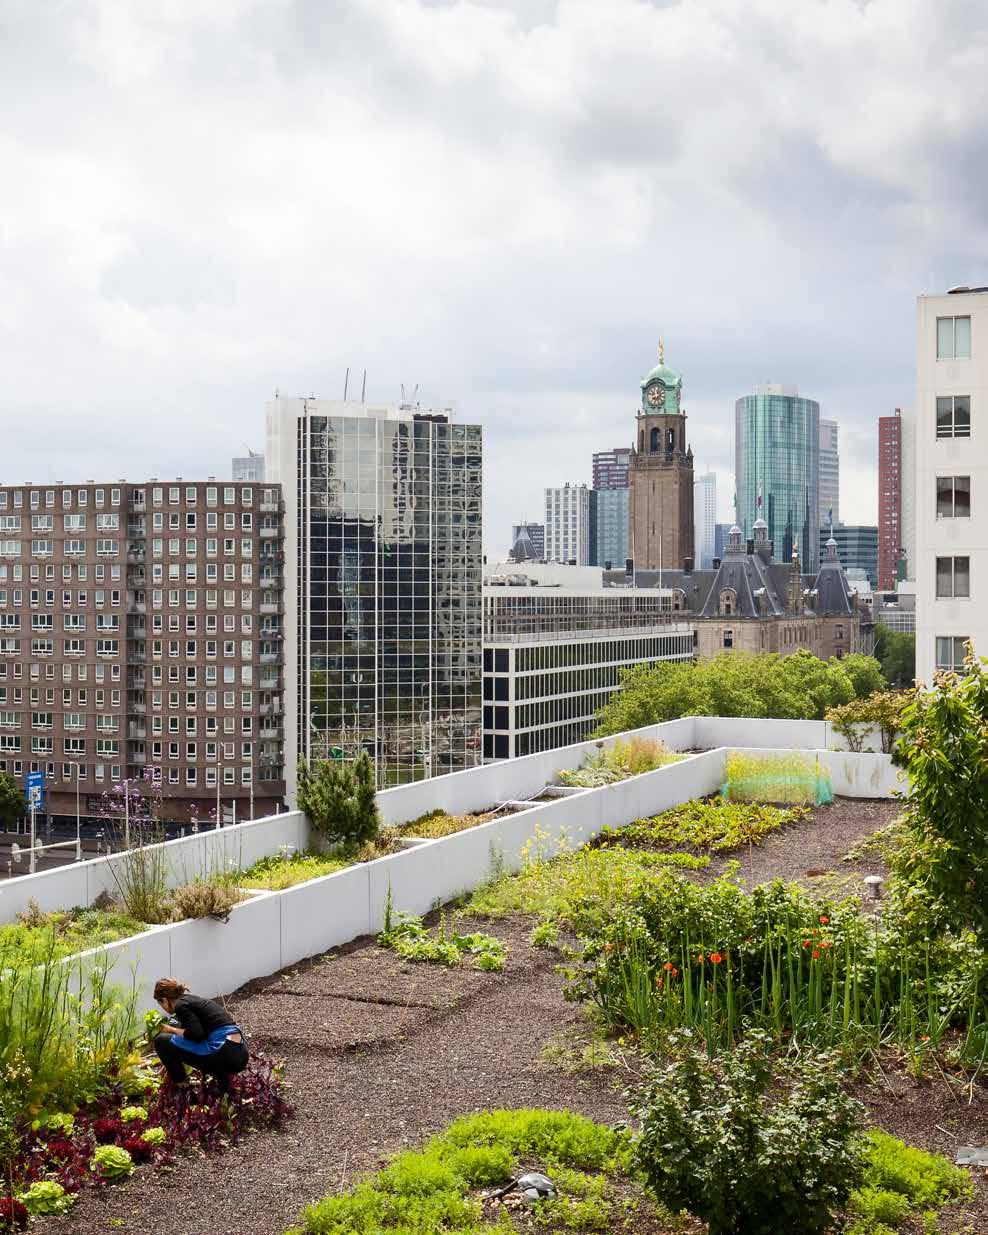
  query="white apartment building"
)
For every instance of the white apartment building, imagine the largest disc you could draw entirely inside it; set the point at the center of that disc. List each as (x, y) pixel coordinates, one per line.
(950, 462)
(705, 519)
(567, 524)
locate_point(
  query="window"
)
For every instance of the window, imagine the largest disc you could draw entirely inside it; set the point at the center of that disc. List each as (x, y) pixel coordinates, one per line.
(953, 497)
(950, 651)
(953, 338)
(728, 638)
(953, 416)
(953, 577)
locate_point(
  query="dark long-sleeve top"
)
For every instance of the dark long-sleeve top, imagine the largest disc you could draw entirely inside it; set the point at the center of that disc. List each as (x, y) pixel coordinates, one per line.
(199, 1017)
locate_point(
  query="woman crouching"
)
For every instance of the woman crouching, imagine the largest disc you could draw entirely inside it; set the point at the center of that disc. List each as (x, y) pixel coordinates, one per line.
(204, 1036)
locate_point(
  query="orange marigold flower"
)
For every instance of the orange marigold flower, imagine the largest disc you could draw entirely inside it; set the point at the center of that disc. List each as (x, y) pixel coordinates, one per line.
(816, 954)
(699, 959)
(824, 920)
(675, 972)
(807, 942)
(667, 966)
(715, 958)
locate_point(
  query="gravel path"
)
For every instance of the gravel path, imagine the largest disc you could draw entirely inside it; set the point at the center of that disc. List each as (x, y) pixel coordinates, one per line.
(380, 1055)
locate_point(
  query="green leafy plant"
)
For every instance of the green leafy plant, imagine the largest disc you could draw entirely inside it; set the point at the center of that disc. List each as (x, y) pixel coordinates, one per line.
(942, 748)
(883, 710)
(112, 1162)
(435, 824)
(716, 825)
(38, 936)
(749, 1146)
(154, 1136)
(340, 800)
(45, 1196)
(284, 870)
(406, 935)
(132, 1114)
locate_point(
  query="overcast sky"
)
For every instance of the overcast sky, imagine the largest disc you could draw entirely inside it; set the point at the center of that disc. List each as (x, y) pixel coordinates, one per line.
(504, 203)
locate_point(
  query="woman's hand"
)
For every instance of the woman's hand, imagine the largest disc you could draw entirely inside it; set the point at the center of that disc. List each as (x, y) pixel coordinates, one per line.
(164, 1027)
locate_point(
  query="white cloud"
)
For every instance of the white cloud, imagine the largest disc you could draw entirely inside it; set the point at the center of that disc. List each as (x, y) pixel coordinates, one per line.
(507, 203)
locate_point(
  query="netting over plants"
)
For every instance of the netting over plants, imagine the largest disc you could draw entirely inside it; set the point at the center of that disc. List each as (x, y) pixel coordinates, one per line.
(794, 779)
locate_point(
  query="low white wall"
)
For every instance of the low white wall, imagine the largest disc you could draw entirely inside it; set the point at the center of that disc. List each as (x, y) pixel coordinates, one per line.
(201, 854)
(872, 739)
(712, 731)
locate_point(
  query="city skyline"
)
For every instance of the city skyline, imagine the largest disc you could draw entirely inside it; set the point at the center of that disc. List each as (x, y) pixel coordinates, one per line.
(162, 245)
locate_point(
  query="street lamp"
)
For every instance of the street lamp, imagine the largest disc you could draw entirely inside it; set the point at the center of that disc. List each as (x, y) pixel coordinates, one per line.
(78, 816)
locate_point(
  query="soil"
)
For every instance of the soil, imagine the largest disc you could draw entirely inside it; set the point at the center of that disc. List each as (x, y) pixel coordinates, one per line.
(381, 1054)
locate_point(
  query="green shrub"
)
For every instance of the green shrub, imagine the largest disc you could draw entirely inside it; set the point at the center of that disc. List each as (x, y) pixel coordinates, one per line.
(406, 935)
(38, 936)
(436, 824)
(204, 899)
(340, 800)
(749, 1148)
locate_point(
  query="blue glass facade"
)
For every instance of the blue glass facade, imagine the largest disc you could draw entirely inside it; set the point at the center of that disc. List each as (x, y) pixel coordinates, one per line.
(612, 527)
(777, 457)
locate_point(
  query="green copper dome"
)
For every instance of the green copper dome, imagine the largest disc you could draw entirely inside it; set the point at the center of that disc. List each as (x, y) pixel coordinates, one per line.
(661, 388)
(662, 373)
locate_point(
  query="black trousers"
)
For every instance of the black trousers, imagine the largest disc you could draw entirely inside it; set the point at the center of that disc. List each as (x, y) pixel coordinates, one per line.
(231, 1057)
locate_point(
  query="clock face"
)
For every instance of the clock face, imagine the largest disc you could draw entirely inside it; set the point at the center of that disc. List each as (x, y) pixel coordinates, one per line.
(656, 396)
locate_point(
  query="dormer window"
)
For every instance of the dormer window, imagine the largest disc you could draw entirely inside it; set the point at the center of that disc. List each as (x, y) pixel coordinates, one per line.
(727, 602)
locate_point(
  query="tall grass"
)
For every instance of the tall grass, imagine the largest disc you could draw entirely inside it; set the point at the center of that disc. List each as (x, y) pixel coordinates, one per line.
(64, 1029)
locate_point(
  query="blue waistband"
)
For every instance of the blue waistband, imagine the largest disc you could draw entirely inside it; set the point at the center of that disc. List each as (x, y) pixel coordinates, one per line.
(210, 1045)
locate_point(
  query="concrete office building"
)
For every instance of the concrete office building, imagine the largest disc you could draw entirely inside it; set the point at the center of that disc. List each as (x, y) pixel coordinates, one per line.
(890, 476)
(535, 532)
(140, 627)
(568, 518)
(383, 567)
(857, 548)
(249, 469)
(777, 454)
(829, 474)
(705, 519)
(555, 642)
(951, 478)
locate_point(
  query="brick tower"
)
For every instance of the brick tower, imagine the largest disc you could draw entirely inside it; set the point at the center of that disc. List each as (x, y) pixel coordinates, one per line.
(661, 475)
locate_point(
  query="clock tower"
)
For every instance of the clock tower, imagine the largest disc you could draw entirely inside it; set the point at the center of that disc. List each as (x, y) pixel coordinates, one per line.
(660, 475)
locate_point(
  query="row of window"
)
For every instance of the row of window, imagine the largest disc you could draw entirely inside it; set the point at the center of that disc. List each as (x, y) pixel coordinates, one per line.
(16, 572)
(70, 548)
(70, 523)
(70, 647)
(82, 498)
(73, 772)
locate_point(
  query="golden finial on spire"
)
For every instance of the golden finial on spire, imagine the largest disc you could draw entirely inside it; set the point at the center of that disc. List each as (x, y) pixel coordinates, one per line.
(662, 351)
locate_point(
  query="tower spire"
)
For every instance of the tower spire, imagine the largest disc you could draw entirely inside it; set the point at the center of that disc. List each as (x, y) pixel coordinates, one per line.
(662, 351)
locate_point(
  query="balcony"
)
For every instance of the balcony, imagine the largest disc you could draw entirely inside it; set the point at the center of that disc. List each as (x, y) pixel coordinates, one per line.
(269, 681)
(270, 709)
(136, 557)
(136, 730)
(140, 760)
(137, 632)
(138, 709)
(271, 658)
(270, 508)
(269, 608)
(138, 506)
(137, 607)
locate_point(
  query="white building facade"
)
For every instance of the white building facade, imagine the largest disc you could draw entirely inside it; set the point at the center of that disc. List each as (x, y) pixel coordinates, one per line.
(567, 524)
(950, 462)
(705, 519)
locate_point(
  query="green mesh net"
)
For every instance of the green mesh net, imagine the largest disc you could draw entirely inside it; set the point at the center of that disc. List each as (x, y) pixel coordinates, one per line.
(795, 779)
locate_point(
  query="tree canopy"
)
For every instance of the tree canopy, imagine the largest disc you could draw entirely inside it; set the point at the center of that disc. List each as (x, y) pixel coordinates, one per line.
(896, 652)
(13, 804)
(795, 687)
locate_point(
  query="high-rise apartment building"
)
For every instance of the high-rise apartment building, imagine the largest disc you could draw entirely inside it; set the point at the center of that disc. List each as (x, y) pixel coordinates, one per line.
(568, 525)
(829, 474)
(777, 452)
(950, 478)
(140, 626)
(610, 468)
(890, 477)
(857, 548)
(661, 475)
(705, 519)
(249, 469)
(383, 569)
(722, 533)
(536, 535)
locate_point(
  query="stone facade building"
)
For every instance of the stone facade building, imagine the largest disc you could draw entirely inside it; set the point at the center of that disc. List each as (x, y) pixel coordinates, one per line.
(751, 603)
(661, 476)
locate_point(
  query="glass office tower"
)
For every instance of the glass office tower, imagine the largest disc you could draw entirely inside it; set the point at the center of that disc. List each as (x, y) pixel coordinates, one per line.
(385, 585)
(777, 470)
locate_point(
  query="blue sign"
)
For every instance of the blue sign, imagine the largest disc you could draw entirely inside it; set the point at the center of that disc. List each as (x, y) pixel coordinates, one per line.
(35, 785)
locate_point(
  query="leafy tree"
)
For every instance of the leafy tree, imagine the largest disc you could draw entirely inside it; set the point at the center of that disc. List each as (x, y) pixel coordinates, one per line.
(796, 687)
(865, 673)
(896, 653)
(13, 803)
(943, 748)
(340, 800)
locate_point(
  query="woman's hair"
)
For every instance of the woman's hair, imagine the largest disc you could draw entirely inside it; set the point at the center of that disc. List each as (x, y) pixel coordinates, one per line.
(169, 988)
